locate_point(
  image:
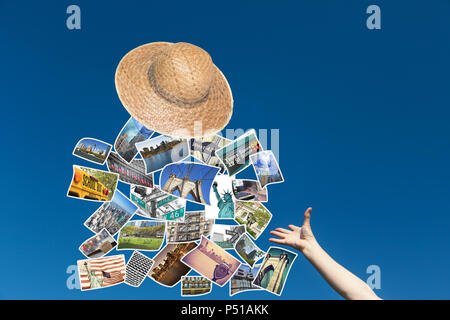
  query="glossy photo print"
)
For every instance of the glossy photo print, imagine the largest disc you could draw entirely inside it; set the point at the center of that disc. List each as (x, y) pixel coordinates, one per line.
(101, 272)
(275, 269)
(156, 204)
(266, 168)
(131, 133)
(159, 151)
(194, 226)
(249, 190)
(242, 280)
(92, 184)
(248, 250)
(188, 180)
(98, 245)
(112, 215)
(130, 172)
(221, 199)
(236, 155)
(254, 215)
(225, 236)
(204, 149)
(145, 235)
(195, 286)
(92, 150)
(137, 269)
(212, 262)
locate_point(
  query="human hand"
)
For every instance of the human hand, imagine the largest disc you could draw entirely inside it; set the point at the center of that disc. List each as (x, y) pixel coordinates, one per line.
(300, 238)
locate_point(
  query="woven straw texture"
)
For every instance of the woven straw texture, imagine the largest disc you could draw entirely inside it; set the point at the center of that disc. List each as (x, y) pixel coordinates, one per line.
(174, 89)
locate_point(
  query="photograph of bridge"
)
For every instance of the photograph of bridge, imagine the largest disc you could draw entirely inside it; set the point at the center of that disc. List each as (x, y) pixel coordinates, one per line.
(132, 173)
(225, 236)
(249, 190)
(132, 132)
(168, 269)
(248, 250)
(156, 204)
(275, 269)
(112, 215)
(204, 149)
(254, 215)
(143, 235)
(188, 180)
(236, 155)
(98, 245)
(160, 151)
(92, 150)
(212, 262)
(266, 168)
(242, 280)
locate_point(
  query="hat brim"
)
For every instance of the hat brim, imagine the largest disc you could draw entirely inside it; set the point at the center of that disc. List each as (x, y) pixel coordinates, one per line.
(133, 86)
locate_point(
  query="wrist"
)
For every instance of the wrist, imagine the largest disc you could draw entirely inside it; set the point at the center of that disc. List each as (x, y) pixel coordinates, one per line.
(311, 249)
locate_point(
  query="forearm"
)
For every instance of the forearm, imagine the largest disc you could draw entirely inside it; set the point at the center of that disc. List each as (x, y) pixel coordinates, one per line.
(343, 281)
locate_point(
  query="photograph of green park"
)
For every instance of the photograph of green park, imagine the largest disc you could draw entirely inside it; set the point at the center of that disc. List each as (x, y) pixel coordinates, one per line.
(142, 235)
(254, 215)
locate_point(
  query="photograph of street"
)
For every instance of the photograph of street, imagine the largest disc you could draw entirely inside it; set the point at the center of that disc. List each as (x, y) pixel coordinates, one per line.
(225, 236)
(92, 150)
(249, 190)
(98, 245)
(248, 250)
(162, 150)
(132, 172)
(212, 262)
(132, 132)
(144, 235)
(204, 149)
(242, 280)
(254, 215)
(266, 168)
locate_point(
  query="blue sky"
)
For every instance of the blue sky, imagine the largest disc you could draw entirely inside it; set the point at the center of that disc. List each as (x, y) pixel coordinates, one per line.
(125, 203)
(362, 118)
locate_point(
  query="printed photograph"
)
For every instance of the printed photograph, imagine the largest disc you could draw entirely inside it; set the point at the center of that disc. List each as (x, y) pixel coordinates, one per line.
(101, 272)
(137, 268)
(225, 236)
(188, 180)
(168, 269)
(242, 280)
(212, 262)
(254, 216)
(195, 286)
(275, 269)
(92, 150)
(248, 250)
(142, 235)
(191, 229)
(111, 215)
(266, 168)
(162, 150)
(236, 155)
(98, 245)
(221, 199)
(204, 149)
(132, 133)
(132, 172)
(92, 184)
(156, 204)
(249, 190)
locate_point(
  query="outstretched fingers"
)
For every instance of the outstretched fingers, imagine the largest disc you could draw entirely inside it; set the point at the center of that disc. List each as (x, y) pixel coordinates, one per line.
(278, 234)
(279, 241)
(307, 218)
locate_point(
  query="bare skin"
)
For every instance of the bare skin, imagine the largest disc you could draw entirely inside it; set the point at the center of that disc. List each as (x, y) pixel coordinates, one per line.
(340, 279)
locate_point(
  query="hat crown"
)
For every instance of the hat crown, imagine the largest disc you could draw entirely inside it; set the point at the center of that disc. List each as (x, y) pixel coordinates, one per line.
(184, 71)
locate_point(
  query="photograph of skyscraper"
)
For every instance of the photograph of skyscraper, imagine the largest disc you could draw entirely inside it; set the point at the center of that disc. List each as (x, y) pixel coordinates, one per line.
(92, 150)
(132, 133)
(266, 168)
(242, 280)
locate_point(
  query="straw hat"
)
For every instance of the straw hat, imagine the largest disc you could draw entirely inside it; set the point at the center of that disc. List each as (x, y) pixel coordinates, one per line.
(174, 89)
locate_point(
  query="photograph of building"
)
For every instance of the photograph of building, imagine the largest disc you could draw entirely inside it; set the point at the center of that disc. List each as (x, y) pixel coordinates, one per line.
(167, 268)
(242, 280)
(162, 150)
(275, 269)
(98, 245)
(191, 229)
(132, 133)
(137, 269)
(157, 204)
(236, 155)
(144, 235)
(221, 199)
(225, 236)
(101, 272)
(195, 286)
(266, 168)
(212, 262)
(92, 184)
(249, 190)
(204, 149)
(188, 180)
(133, 172)
(254, 215)
(92, 150)
(248, 250)
(111, 215)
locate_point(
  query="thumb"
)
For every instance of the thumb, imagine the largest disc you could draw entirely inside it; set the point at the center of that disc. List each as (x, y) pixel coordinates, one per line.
(307, 218)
